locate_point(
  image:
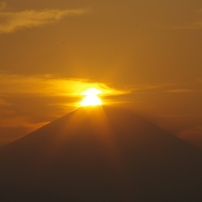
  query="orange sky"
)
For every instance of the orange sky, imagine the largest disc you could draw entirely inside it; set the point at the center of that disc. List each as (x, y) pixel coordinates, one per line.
(145, 54)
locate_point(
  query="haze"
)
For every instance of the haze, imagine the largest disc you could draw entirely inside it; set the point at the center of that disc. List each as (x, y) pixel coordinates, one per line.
(146, 55)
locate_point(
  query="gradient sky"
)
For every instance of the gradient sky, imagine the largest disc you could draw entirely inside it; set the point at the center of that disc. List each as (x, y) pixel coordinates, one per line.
(146, 56)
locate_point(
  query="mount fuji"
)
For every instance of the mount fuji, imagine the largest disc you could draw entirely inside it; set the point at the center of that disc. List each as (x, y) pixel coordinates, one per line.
(100, 154)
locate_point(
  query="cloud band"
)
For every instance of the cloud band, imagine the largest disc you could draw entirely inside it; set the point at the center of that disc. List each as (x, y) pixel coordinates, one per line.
(12, 21)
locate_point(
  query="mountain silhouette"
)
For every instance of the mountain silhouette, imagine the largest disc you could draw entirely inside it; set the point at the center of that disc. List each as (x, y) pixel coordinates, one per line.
(100, 154)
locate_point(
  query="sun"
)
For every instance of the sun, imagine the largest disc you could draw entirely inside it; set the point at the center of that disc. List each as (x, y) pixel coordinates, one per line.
(91, 98)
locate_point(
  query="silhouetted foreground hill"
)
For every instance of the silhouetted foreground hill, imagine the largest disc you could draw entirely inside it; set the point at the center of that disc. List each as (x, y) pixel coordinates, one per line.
(101, 154)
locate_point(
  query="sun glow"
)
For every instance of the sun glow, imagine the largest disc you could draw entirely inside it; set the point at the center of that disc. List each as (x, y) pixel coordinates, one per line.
(91, 98)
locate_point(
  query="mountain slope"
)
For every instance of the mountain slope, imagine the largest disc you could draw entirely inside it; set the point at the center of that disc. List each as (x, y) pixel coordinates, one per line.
(105, 154)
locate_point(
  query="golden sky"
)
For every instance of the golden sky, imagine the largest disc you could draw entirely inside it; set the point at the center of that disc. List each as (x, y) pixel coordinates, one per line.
(146, 55)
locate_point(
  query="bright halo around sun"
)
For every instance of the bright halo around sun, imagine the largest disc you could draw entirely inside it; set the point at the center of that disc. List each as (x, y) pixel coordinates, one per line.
(91, 98)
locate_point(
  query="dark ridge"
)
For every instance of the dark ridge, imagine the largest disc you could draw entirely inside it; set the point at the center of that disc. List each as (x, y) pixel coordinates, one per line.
(104, 154)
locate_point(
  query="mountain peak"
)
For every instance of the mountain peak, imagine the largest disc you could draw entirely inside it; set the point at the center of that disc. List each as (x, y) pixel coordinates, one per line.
(105, 153)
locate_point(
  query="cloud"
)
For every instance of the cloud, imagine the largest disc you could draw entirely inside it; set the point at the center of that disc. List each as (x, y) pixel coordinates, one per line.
(2, 5)
(194, 130)
(43, 85)
(43, 98)
(19, 121)
(193, 135)
(12, 21)
(194, 25)
(14, 128)
(3, 103)
(199, 81)
(180, 91)
(148, 87)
